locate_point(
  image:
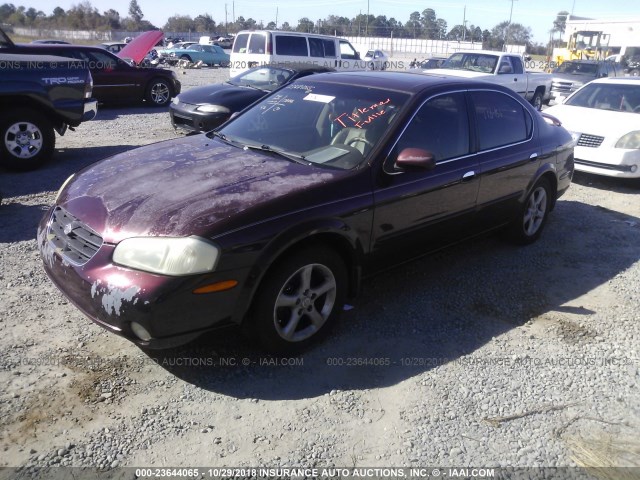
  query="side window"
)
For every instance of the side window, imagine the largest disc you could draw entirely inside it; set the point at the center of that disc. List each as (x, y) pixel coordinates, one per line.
(329, 48)
(256, 43)
(240, 43)
(319, 47)
(505, 66)
(500, 119)
(441, 126)
(291, 45)
(517, 65)
(103, 61)
(316, 47)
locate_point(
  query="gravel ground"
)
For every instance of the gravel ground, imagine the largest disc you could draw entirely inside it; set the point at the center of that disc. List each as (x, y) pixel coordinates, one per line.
(484, 355)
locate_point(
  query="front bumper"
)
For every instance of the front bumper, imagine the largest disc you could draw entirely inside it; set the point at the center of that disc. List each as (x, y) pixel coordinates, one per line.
(608, 161)
(186, 117)
(114, 297)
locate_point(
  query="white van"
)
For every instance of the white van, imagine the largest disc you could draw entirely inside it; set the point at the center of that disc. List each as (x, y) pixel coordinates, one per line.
(253, 48)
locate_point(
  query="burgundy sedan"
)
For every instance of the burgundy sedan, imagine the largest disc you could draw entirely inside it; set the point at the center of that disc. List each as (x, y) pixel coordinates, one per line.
(272, 220)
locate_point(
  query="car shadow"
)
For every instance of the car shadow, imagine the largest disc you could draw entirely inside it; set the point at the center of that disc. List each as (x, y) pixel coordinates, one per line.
(51, 175)
(19, 222)
(112, 112)
(433, 311)
(612, 184)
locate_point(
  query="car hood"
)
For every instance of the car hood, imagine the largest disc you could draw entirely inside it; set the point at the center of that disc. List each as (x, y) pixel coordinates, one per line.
(220, 94)
(190, 186)
(604, 123)
(137, 48)
(571, 77)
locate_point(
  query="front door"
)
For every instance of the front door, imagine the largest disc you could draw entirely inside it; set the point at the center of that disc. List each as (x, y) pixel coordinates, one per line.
(417, 211)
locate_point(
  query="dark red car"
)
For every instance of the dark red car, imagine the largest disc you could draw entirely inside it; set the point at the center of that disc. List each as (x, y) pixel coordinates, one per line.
(114, 80)
(272, 220)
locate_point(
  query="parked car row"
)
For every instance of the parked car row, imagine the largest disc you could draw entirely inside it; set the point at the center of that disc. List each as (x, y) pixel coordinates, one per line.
(309, 179)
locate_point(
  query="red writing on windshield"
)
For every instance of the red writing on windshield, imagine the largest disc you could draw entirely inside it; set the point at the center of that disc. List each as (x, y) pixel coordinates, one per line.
(362, 116)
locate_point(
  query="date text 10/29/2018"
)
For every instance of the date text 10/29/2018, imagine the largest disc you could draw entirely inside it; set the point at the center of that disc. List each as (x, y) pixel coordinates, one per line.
(316, 473)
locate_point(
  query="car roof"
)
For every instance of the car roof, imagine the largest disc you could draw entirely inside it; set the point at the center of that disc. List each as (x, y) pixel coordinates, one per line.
(410, 82)
(584, 60)
(485, 52)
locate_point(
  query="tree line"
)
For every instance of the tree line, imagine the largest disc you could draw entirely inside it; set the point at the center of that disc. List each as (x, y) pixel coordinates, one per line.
(425, 24)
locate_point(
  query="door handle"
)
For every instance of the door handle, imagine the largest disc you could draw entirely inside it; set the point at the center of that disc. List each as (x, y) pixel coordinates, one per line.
(468, 176)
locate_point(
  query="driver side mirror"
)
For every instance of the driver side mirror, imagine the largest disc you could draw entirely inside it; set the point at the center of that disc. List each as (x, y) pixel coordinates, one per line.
(416, 159)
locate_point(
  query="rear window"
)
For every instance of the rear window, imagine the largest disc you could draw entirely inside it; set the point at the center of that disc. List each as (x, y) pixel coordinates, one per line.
(257, 43)
(240, 44)
(291, 45)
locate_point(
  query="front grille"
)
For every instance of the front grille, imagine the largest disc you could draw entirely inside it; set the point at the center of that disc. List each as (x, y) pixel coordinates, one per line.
(72, 239)
(587, 140)
(564, 87)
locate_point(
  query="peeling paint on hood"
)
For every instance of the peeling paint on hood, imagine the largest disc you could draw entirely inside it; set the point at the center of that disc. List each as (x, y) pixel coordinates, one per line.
(181, 187)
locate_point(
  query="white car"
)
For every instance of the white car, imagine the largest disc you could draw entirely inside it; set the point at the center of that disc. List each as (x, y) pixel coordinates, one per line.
(376, 60)
(604, 119)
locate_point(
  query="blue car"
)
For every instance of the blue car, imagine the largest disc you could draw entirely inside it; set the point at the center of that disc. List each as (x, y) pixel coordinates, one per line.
(209, 54)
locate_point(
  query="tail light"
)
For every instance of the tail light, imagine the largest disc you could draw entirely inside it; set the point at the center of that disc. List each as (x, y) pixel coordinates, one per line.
(88, 86)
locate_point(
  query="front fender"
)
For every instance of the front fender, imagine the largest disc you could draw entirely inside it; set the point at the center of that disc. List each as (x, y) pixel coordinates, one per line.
(336, 232)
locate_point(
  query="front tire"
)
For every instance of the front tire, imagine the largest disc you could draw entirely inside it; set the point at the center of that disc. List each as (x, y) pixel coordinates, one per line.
(528, 226)
(299, 300)
(27, 140)
(158, 92)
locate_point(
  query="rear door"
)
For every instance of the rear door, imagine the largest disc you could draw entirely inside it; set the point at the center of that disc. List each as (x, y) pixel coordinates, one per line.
(507, 152)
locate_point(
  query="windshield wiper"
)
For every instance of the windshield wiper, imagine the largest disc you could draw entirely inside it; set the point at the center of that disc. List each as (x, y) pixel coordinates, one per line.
(289, 156)
(225, 139)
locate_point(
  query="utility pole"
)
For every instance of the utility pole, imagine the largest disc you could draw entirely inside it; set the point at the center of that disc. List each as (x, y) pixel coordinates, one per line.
(464, 24)
(226, 23)
(509, 25)
(366, 31)
(276, 18)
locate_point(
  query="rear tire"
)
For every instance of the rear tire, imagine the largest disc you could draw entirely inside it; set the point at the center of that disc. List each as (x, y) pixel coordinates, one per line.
(536, 101)
(27, 140)
(528, 226)
(299, 300)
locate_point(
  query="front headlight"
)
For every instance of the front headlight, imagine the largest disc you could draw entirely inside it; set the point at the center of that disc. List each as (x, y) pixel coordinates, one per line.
(213, 109)
(166, 255)
(631, 140)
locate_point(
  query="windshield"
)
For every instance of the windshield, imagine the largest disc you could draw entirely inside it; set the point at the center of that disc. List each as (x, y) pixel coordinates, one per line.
(576, 68)
(325, 124)
(473, 62)
(608, 96)
(264, 78)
